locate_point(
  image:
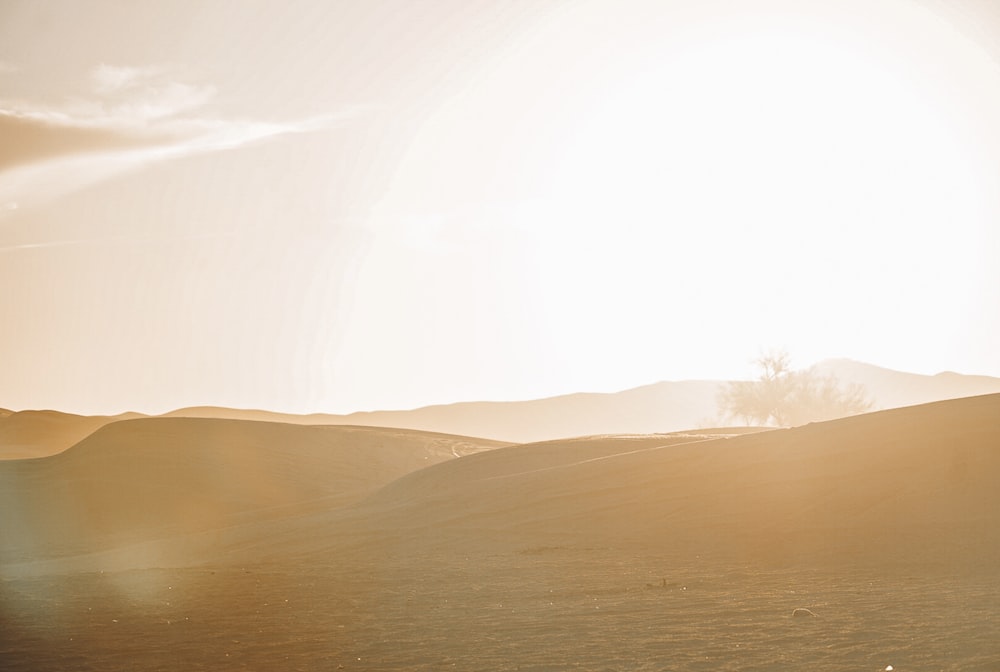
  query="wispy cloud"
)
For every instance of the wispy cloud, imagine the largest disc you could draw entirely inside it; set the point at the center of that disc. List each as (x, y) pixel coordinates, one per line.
(114, 78)
(141, 95)
(134, 116)
(108, 240)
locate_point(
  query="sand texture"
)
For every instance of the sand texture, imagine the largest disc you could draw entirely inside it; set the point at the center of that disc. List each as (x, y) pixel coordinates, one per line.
(242, 545)
(28, 434)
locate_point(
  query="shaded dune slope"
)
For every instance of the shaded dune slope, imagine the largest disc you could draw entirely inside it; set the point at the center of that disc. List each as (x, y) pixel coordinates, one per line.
(28, 434)
(915, 484)
(151, 478)
(912, 485)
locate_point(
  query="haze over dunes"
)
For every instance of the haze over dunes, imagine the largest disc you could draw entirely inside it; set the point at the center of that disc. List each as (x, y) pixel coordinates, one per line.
(497, 335)
(660, 407)
(908, 485)
(390, 206)
(342, 536)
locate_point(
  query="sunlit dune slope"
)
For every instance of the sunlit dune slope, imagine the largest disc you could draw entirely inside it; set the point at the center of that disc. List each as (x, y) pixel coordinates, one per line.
(917, 483)
(150, 478)
(27, 434)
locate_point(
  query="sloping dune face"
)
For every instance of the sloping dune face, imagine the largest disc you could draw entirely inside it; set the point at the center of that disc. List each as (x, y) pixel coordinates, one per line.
(676, 552)
(153, 478)
(913, 484)
(28, 434)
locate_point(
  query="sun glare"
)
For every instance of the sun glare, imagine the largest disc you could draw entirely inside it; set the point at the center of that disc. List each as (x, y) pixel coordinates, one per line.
(766, 173)
(811, 170)
(771, 132)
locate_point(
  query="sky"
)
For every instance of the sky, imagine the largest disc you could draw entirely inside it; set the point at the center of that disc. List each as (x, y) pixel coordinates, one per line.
(331, 206)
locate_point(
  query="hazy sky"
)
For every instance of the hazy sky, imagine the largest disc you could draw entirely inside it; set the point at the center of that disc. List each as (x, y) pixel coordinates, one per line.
(331, 206)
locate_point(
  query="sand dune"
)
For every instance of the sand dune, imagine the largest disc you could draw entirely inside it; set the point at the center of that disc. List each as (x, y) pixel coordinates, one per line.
(682, 551)
(907, 485)
(661, 407)
(914, 484)
(28, 434)
(149, 478)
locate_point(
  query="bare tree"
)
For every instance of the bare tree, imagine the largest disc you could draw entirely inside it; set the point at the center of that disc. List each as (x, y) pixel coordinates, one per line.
(784, 397)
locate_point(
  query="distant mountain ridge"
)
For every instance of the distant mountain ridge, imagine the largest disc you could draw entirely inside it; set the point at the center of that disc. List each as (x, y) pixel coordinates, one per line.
(895, 389)
(667, 406)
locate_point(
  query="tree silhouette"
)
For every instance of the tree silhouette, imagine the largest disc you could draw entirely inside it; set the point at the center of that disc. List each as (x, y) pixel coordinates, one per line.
(784, 397)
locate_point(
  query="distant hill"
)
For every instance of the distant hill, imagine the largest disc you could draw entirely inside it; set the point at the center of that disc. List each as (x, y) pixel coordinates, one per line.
(643, 410)
(223, 413)
(668, 406)
(662, 407)
(895, 389)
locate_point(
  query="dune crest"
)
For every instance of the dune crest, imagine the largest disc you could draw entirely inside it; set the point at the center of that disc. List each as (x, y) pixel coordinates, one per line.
(152, 478)
(912, 484)
(31, 434)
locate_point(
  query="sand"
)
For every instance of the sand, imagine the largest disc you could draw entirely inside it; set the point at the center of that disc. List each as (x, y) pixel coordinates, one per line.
(28, 434)
(686, 551)
(150, 478)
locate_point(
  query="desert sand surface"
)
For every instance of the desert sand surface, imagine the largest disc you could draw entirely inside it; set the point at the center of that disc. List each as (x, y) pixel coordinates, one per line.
(143, 479)
(27, 434)
(684, 551)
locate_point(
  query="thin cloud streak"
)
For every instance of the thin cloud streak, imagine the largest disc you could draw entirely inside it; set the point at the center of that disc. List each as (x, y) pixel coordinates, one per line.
(75, 242)
(114, 78)
(136, 118)
(43, 181)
